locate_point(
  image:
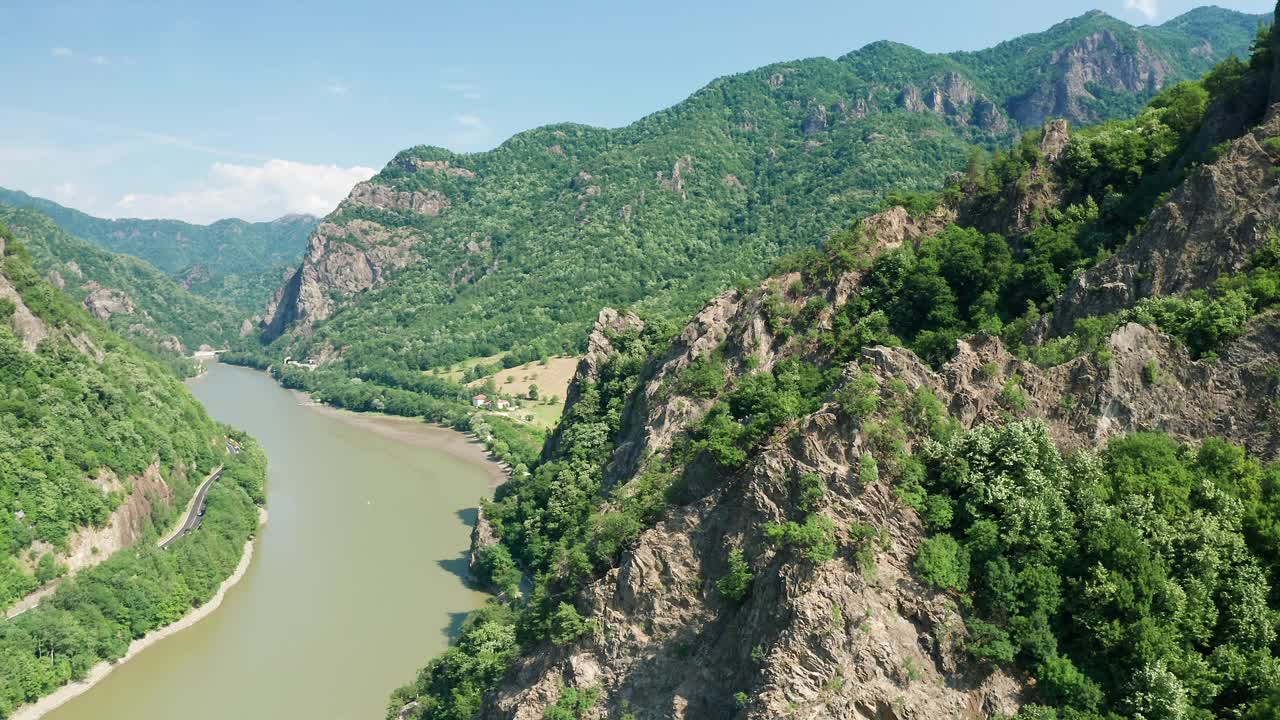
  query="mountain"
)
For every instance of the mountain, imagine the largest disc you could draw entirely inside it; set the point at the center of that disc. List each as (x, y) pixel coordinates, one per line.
(233, 262)
(130, 295)
(1007, 450)
(445, 256)
(101, 448)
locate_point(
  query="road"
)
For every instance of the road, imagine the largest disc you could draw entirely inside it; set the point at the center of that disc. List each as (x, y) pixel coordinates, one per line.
(191, 522)
(195, 515)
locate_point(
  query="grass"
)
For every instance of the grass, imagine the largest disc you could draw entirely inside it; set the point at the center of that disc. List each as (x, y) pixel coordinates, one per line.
(552, 380)
(458, 370)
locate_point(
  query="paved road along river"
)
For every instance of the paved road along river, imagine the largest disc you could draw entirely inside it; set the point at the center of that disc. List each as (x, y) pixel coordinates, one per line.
(354, 584)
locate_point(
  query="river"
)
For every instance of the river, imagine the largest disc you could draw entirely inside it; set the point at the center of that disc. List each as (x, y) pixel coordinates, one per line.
(355, 582)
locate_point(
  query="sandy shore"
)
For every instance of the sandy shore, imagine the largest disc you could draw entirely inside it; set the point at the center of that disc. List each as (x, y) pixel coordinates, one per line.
(96, 674)
(416, 432)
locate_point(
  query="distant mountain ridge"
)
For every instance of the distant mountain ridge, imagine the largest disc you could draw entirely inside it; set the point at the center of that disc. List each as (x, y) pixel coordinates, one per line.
(233, 261)
(450, 255)
(129, 295)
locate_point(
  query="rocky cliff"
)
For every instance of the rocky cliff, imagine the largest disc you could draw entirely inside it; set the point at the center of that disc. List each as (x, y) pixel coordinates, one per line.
(1208, 228)
(861, 636)
(689, 199)
(856, 631)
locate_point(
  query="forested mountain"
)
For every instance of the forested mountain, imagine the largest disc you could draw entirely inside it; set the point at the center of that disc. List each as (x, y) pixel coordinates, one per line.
(129, 295)
(1005, 450)
(445, 256)
(233, 262)
(100, 448)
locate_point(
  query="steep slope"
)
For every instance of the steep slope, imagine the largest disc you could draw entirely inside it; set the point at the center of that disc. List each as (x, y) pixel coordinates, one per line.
(100, 448)
(452, 256)
(856, 491)
(129, 295)
(233, 262)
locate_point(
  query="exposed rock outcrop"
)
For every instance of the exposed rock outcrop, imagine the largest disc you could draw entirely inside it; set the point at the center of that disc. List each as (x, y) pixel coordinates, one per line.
(675, 181)
(341, 260)
(609, 323)
(29, 328)
(1100, 60)
(1209, 227)
(440, 166)
(429, 203)
(953, 96)
(104, 302)
(816, 122)
(1018, 208)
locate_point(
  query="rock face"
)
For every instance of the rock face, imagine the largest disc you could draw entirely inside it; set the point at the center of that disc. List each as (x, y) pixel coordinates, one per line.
(126, 525)
(414, 164)
(430, 203)
(482, 536)
(816, 122)
(348, 257)
(1100, 60)
(1208, 228)
(103, 302)
(609, 323)
(953, 96)
(1016, 210)
(675, 181)
(29, 328)
(861, 636)
(341, 260)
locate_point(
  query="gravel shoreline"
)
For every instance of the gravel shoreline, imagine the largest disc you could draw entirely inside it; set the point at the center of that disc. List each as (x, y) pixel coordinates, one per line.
(98, 672)
(416, 432)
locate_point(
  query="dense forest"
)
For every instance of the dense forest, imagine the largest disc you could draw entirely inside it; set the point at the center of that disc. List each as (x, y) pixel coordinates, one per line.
(96, 614)
(83, 415)
(145, 305)
(231, 262)
(1137, 579)
(528, 241)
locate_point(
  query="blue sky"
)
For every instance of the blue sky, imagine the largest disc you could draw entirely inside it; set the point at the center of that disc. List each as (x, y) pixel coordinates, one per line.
(255, 109)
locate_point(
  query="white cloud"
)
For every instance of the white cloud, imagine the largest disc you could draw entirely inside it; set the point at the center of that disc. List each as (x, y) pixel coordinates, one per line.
(469, 91)
(251, 192)
(61, 52)
(337, 87)
(66, 192)
(1148, 8)
(100, 60)
(473, 132)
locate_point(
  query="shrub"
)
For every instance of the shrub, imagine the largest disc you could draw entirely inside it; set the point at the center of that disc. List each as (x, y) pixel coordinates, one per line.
(858, 397)
(1151, 372)
(703, 378)
(737, 582)
(572, 704)
(943, 563)
(811, 492)
(816, 537)
(567, 625)
(495, 567)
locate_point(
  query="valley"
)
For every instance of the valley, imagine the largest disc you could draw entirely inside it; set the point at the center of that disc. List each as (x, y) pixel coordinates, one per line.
(356, 571)
(897, 385)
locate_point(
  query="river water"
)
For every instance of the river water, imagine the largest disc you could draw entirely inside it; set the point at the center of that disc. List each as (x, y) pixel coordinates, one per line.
(355, 581)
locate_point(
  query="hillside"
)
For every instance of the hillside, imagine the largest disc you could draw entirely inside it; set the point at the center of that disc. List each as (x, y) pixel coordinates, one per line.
(129, 295)
(232, 262)
(444, 256)
(100, 447)
(1007, 450)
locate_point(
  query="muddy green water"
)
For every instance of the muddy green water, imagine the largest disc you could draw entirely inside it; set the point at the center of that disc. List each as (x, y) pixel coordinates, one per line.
(355, 582)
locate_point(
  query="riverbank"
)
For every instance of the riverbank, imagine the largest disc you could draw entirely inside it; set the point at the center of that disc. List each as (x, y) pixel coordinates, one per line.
(100, 671)
(416, 432)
